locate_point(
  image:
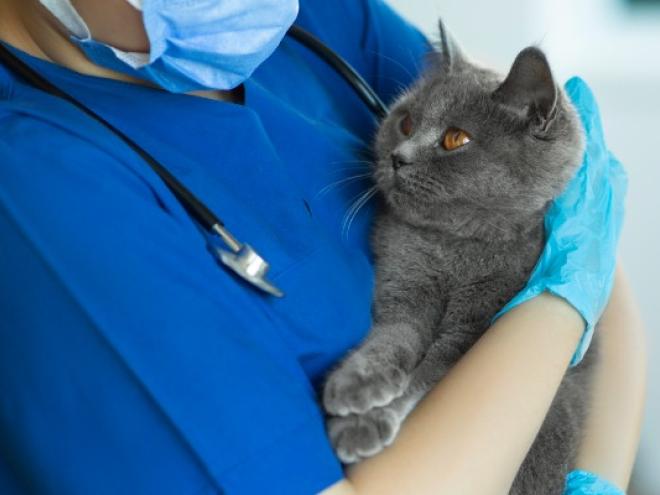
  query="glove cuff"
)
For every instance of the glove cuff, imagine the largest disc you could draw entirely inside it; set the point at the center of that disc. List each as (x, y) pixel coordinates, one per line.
(580, 482)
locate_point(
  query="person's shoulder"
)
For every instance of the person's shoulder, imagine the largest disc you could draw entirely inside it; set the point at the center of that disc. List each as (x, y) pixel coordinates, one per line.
(30, 117)
(38, 129)
(26, 139)
(6, 83)
(44, 152)
(31, 140)
(19, 125)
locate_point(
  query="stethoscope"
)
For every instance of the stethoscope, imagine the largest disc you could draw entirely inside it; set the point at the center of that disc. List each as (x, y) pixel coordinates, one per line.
(239, 257)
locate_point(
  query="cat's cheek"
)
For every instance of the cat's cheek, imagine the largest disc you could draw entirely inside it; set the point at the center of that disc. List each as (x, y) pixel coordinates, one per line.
(384, 178)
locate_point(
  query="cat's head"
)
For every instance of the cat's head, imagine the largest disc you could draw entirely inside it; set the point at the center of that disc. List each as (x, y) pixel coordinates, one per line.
(465, 141)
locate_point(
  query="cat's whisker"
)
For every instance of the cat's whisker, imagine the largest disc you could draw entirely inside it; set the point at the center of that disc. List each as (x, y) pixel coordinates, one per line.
(400, 86)
(341, 182)
(415, 61)
(364, 201)
(367, 162)
(355, 168)
(354, 204)
(355, 208)
(354, 201)
(396, 62)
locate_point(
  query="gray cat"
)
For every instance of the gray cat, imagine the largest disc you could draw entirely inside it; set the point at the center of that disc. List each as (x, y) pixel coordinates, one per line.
(467, 164)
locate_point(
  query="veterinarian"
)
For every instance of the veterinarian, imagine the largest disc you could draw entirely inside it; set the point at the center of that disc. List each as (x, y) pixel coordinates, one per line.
(131, 361)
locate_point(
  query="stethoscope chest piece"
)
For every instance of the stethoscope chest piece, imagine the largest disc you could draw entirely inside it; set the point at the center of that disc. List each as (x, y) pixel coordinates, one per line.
(250, 266)
(243, 260)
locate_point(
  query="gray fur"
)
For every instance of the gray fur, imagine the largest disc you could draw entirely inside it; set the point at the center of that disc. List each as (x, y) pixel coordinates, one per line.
(456, 237)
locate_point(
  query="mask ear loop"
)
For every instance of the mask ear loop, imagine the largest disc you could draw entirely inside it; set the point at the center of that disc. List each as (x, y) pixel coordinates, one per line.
(137, 4)
(69, 17)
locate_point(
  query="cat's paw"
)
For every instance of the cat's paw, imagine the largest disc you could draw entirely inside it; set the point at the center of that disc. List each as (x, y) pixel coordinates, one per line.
(358, 436)
(363, 383)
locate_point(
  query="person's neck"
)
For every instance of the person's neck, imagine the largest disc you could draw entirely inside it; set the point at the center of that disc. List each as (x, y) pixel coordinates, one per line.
(29, 27)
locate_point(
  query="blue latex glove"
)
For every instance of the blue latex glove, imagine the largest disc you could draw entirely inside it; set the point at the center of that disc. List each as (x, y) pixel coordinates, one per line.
(586, 483)
(582, 227)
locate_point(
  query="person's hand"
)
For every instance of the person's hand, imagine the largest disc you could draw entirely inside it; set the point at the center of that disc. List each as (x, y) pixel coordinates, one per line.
(582, 227)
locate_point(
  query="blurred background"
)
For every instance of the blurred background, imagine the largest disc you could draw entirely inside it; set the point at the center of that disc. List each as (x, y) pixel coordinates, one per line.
(615, 46)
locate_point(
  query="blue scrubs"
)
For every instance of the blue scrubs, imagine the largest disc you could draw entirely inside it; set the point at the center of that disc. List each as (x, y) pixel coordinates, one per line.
(130, 362)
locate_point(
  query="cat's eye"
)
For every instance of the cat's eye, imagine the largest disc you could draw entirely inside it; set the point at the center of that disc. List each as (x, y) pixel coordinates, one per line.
(455, 138)
(406, 125)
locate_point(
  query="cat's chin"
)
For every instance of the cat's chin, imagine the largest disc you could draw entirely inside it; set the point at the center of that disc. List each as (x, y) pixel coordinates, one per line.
(408, 208)
(389, 182)
(395, 194)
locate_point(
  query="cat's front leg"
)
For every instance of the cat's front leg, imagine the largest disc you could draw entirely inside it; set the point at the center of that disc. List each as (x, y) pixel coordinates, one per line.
(376, 373)
(359, 436)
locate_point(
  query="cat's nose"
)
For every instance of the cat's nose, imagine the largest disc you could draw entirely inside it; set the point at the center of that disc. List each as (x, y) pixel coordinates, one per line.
(398, 161)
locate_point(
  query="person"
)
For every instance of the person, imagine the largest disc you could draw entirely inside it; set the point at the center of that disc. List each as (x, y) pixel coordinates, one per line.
(130, 362)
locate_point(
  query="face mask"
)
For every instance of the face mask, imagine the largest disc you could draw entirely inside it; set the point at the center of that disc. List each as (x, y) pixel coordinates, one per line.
(195, 44)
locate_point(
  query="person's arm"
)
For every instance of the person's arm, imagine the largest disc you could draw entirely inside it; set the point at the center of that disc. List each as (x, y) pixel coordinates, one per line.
(489, 394)
(471, 433)
(613, 426)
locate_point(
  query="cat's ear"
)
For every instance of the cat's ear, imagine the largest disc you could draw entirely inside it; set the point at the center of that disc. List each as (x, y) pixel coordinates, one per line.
(448, 56)
(530, 89)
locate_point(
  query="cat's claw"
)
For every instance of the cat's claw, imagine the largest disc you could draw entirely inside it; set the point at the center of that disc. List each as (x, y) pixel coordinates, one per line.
(360, 385)
(358, 436)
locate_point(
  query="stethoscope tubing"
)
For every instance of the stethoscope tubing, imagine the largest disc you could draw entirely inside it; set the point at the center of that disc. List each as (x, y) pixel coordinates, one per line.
(194, 206)
(242, 259)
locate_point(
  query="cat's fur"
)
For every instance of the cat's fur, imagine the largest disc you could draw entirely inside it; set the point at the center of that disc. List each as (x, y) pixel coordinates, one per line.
(457, 236)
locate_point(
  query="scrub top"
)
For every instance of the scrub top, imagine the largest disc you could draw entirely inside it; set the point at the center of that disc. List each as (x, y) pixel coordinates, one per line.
(130, 361)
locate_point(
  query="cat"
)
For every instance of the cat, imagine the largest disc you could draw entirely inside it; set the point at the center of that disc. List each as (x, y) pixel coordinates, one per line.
(466, 164)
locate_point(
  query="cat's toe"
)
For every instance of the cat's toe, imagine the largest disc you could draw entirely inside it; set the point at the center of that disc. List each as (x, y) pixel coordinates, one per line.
(359, 436)
(357, 389)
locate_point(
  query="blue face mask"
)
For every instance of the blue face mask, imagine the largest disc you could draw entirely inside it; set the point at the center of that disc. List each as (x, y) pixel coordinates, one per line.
(195, 44)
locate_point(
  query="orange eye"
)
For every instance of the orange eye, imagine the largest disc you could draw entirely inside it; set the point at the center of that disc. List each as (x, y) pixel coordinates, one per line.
(455, 138)
(406, 125)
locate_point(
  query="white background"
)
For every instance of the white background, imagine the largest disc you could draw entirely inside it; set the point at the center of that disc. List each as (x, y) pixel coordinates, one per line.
(617, 50)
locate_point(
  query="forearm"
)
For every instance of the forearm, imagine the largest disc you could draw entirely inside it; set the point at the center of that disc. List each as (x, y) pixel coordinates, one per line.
(613, 425)
(472, 431)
